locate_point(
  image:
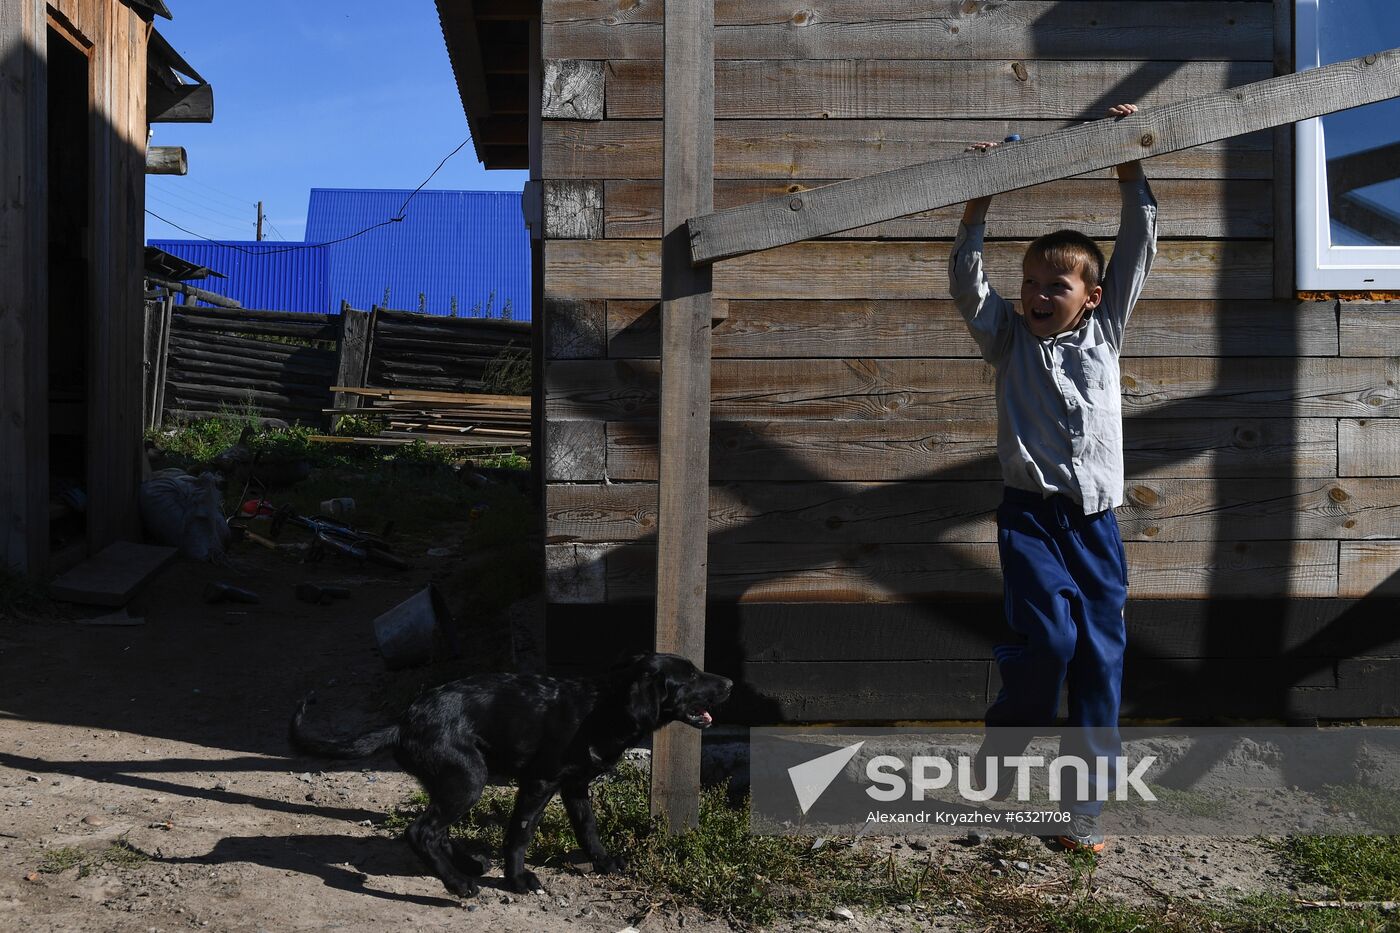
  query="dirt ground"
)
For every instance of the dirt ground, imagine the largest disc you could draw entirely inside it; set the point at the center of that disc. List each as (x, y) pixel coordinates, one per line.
(169, 737)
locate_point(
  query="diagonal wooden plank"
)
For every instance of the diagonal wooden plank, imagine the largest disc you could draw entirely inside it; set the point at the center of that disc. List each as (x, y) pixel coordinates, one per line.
(1084, 148)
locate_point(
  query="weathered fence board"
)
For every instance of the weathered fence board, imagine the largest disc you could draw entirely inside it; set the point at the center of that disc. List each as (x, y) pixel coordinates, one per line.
(874, 89)
(932, 327)
(582, 269)
(1198, 208)
(923, 389)
(843, 29)
(813, 149)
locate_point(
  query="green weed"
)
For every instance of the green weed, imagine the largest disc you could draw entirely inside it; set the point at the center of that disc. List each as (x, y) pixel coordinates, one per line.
(61, 859)
(1352, 867)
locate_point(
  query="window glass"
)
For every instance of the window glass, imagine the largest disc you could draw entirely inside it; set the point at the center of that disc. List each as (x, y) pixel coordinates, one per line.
(1362, 145)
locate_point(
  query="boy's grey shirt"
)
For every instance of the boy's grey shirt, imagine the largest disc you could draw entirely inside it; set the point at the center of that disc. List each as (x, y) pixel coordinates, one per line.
(1059, 405)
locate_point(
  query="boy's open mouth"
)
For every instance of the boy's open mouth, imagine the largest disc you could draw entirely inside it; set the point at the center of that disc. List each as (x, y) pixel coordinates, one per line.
(1041, 315)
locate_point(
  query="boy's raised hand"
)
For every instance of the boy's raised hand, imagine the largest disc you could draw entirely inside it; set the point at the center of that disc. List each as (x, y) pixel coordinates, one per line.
(1128, 171)
(975, 211)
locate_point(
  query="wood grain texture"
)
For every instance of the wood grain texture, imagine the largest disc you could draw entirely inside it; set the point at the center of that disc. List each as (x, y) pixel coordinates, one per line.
(1369, 568)
(352, 354)
(1180, 125)
(931, 390)
(942, 29)
(1201, 208)
(820, 573)
(1368, 447)
(933, 327)
(824, 149)
(876, 89)
(843, 513)
(575, 573)
(966, 449)
(1369, 329)
(682, 560)
(573, 90)
(573, 210)
(575, 451)
(575, 330)
(887, 269)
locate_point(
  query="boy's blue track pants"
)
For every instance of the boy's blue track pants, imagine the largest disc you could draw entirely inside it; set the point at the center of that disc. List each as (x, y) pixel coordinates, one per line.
(1065, 579)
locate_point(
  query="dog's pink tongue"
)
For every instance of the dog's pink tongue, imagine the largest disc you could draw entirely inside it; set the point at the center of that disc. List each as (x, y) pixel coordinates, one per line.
(705, 717)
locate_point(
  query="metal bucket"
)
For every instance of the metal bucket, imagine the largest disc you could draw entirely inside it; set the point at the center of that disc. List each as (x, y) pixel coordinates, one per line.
(408, 633)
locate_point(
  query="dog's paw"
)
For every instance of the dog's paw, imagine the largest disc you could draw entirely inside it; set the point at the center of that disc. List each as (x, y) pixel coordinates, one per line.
(607, 864)
(462, 887)
(464, 861)
(524, 883)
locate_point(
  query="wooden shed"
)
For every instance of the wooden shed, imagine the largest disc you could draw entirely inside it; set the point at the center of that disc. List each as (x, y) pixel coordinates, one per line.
(852, 569)
(80, 82)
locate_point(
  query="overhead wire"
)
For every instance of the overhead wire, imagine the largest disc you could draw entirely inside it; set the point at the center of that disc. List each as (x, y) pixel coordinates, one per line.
(302, 246)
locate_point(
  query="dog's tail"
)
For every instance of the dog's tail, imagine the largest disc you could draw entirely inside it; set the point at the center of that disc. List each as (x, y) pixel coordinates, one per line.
(361, 746)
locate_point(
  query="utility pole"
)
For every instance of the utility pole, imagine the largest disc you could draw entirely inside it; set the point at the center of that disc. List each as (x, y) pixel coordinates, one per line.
(260, 221)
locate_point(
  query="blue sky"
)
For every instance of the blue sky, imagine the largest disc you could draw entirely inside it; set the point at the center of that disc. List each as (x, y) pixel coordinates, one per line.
(355, 94)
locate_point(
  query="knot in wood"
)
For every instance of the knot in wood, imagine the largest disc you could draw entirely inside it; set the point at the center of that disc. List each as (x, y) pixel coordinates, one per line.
(1338, 494)
(1019, 70)
(1147, 139)
(1370, 59)
(1144, 496)
(795, 204)
(802, 17)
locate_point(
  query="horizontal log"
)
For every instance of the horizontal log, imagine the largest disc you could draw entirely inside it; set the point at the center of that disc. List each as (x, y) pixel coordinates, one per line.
(390, 318)
(930, 390)
(933, 327)
(317, 370)
(388, 341)
(876, 89)
(853, 29)
(250, 346)
(167, 160)
(1368, 447)
(1369, 568)
(271, 374)
(964, 512)
(1369, 329)
(818, 572)
(303, 331)
(823, 149)
(1091, 146)
(1196, 208)
(583, 269)
(182, 391)
(184, 288)
(966, 449)
(468, 399)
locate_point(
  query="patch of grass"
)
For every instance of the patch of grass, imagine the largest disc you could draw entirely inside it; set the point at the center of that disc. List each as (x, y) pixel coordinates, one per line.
(61, 859)
(1351, 867)
(509, 373)
(502, 462)
(122, 854)
(1378, 806)
(1281, 915)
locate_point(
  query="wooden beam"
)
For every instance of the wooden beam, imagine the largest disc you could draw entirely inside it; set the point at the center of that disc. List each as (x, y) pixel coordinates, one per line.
(1084, 148)
(189, 103)
(167, 160)
(682, 542)
(352, 354)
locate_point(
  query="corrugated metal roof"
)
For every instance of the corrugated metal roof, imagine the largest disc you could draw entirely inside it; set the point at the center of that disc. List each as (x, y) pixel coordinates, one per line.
(469, 245)
(267, 275)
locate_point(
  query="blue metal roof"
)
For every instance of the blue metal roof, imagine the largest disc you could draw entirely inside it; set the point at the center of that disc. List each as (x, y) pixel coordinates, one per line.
(261, 275)
(469, 245)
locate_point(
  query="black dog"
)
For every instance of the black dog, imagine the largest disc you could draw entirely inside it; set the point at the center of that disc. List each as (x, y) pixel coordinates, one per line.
(550, 734)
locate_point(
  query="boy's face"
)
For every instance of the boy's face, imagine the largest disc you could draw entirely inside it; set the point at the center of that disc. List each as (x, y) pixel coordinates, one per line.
(1053, 300)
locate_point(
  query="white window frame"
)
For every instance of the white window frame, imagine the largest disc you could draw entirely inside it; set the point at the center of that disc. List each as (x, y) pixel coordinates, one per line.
(1320, 265)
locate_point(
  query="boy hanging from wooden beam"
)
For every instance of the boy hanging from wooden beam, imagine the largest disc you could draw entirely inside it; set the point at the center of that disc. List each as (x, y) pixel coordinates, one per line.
(1060, 443)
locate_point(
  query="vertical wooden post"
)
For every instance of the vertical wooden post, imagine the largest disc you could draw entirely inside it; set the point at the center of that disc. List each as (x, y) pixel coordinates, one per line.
(351, 351)
(683, 518)
(24, 298)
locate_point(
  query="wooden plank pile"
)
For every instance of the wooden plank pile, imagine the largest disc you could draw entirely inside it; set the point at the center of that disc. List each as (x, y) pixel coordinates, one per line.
(459, 419)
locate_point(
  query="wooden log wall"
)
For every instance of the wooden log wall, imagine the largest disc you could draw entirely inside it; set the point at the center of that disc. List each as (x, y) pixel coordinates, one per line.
(221, 359)
(853, 456)
(421, 351)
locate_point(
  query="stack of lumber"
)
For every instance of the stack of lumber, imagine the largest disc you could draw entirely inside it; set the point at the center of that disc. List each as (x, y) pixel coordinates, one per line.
(463, 419)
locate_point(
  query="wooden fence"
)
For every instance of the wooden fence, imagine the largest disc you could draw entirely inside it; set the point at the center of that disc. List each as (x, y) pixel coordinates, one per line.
(280, 364)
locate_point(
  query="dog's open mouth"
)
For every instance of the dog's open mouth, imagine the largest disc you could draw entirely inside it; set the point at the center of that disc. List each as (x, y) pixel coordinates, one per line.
(699, 718)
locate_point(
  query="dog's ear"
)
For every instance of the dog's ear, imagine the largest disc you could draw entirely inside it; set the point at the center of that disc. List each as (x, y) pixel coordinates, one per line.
(644, 699)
